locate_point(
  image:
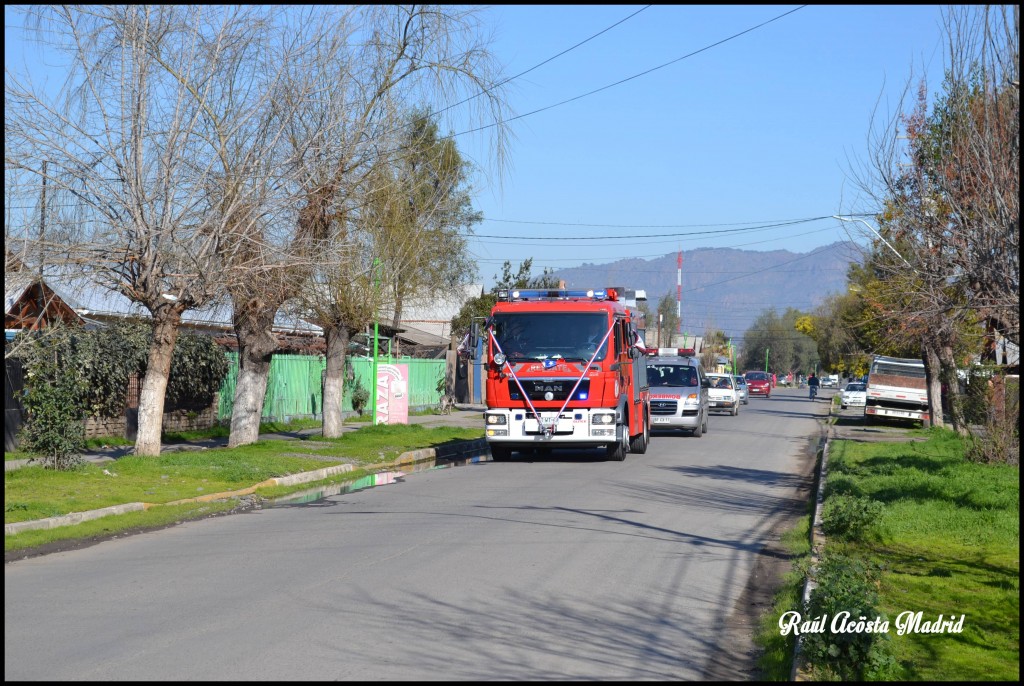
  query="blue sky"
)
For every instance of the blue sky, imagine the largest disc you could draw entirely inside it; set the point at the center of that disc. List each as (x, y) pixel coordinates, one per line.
(766, 127)
(733, 132)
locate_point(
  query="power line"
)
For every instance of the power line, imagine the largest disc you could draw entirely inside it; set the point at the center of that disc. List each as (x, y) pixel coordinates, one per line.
(790, 222)
(524, 73)
(635, 76)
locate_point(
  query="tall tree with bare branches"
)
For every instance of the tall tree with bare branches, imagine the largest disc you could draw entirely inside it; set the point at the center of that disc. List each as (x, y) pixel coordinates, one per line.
(950, 195)
(126, 137)
(429, 55)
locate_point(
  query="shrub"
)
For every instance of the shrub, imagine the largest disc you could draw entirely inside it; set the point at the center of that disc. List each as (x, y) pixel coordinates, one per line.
(997, 440)
(107, 358)
(71, 373)
(198, 368)
(54, 397)
(847, 516)
(848, 585)
(360, 396)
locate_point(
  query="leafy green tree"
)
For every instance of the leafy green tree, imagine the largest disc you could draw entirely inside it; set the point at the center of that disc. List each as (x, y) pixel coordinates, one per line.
(54, 397)
(423, 198)
(776, 338)
(478, 308)
(669, 323)
(716, 344)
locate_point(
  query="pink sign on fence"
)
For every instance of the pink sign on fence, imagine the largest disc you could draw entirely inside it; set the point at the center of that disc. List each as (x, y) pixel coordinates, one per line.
(393, 394)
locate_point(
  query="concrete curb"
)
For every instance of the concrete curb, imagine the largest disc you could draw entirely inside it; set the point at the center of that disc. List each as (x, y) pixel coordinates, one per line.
(406, 459)
(72, 518)
(817, 543)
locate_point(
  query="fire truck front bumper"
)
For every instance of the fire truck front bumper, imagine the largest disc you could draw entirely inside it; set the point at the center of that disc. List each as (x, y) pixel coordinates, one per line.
(585, 427)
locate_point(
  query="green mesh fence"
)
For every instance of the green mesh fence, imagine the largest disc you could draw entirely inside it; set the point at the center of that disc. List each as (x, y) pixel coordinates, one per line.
(294, 388)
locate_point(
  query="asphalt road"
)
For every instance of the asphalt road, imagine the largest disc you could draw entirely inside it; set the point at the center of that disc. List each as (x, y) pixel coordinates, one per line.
(563, 568)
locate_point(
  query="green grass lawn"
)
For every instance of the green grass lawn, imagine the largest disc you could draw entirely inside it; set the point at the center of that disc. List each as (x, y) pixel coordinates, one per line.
(948, 537)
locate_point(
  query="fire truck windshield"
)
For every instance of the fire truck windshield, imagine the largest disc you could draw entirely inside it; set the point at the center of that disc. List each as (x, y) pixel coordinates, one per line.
(543, 335)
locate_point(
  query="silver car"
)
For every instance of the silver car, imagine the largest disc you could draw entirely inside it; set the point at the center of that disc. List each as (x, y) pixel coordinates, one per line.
(679, 394)
(741, 389)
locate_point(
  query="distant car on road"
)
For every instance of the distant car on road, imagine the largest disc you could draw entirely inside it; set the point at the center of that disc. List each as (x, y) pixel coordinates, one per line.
(854, 395)
(741, 389)
(758, 383)
(722, 395)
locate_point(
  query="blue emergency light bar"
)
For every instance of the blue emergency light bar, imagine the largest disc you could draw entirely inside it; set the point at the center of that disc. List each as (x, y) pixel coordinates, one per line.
(519, 294)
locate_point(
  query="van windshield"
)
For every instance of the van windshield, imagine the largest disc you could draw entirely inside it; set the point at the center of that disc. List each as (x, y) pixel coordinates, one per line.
(659, 375)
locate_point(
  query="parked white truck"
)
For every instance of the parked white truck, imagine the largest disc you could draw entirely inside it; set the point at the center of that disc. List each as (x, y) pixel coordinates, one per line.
(897, 388)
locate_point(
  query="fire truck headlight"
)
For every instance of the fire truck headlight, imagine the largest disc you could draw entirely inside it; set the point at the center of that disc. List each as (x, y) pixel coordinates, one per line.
(499, 359)
(603, 418)
(496, 419)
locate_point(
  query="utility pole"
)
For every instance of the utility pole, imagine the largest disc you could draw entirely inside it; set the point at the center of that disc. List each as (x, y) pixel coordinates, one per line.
(376, 284)
(42, 223)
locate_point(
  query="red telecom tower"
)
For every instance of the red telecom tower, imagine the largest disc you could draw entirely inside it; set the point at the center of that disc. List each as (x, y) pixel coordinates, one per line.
(679, 291)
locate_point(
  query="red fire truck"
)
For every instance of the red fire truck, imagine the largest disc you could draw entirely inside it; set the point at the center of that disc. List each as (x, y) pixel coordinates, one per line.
(564, 370)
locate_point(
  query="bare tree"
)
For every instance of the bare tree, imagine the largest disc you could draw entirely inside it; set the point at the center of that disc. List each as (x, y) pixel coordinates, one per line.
(127, 139)
(974, 158)
(950, 199)
(273, 241)
(423, 54)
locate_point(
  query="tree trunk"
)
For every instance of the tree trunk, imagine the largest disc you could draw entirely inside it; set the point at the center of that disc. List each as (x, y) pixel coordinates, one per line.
(154, 383)
(950, 380)
(934, 383)
(256, 345)
(334, 379)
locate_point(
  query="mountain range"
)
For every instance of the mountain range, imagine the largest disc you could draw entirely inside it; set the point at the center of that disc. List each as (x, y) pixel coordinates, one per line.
(726, 288)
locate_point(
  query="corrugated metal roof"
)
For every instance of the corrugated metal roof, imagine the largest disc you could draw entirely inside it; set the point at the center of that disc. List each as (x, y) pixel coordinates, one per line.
(90, 299)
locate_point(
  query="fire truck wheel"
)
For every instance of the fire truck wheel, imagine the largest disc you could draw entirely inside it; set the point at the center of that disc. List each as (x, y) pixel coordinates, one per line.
(501, 453)
(616, 452)
(638, 444)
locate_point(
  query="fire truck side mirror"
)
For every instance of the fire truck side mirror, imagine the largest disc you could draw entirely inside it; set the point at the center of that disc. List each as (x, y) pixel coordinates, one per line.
(472, 340)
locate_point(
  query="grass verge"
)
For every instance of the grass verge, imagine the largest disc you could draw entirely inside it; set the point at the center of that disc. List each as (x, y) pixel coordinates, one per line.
(776, 660)
(946, 536)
